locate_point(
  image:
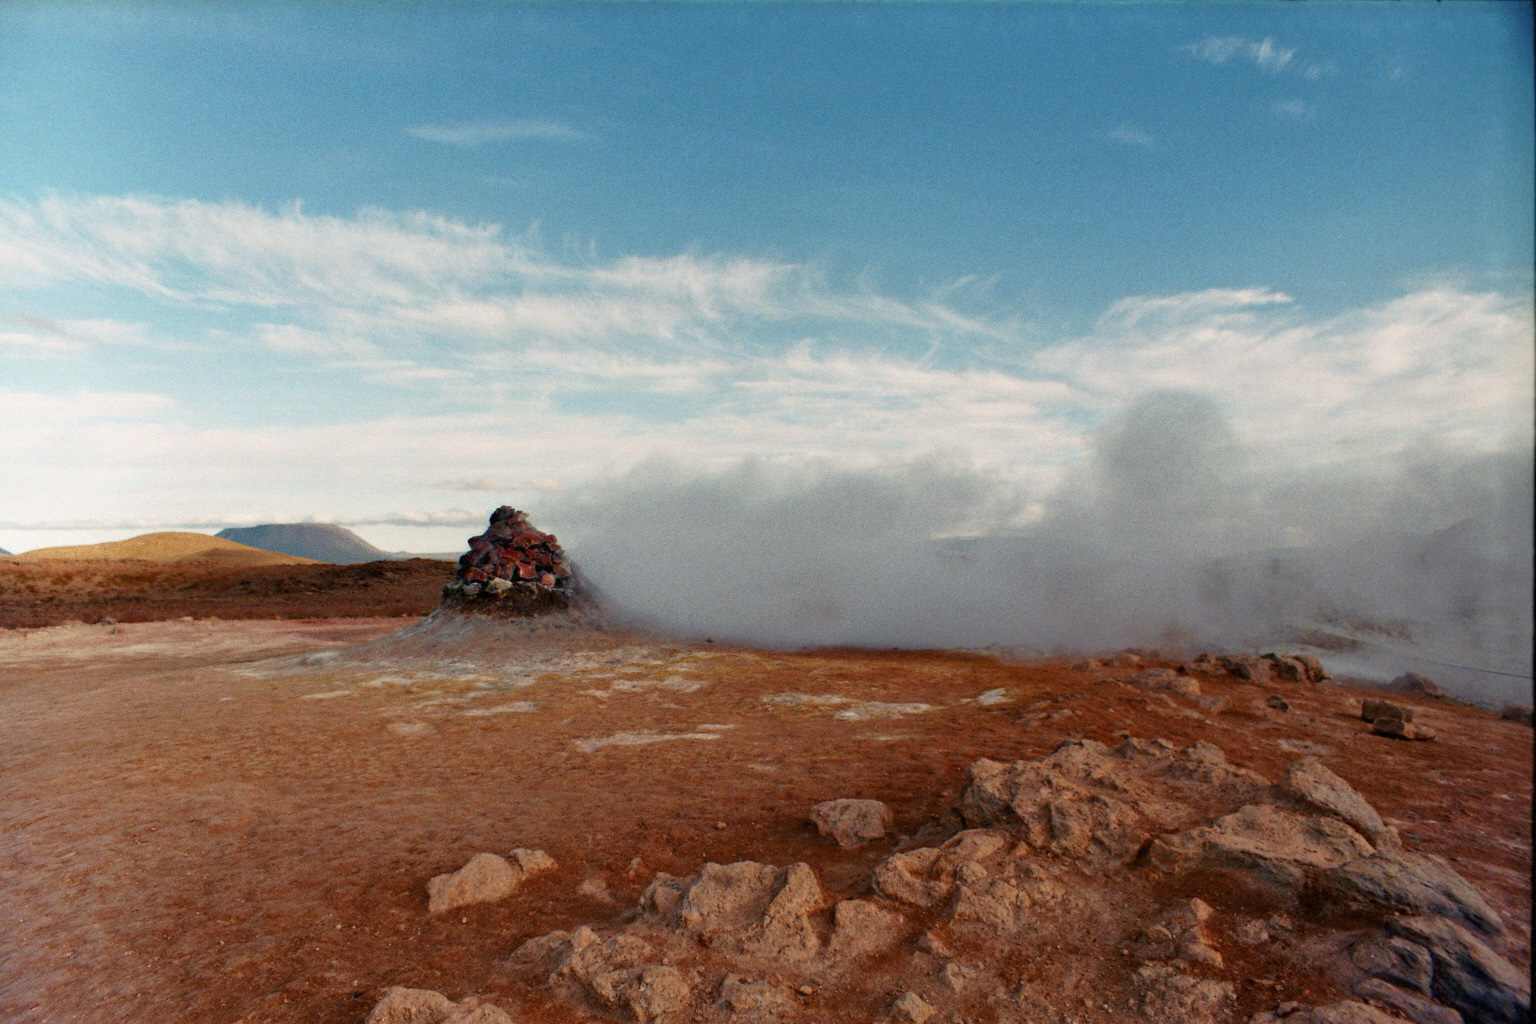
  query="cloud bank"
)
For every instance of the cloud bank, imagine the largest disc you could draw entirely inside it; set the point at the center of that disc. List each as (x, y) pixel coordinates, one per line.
(805, 429)
(1174, 535)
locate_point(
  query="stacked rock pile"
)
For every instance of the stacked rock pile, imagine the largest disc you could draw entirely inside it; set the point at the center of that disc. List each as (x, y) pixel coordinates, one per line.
(512, 568)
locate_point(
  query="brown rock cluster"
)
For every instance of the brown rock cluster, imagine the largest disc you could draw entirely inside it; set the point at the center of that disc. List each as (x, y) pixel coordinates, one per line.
(512, 568)
(1064, 849)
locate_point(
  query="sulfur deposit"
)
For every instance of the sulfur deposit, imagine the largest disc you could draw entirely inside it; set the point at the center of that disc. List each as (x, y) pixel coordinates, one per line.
(513, 569)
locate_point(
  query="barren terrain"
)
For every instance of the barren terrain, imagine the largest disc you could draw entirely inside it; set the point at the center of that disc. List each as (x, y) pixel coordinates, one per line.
(53, 592)
(221, 821)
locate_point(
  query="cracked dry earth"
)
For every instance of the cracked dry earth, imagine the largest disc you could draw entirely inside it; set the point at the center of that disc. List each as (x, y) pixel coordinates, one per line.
(237, 821)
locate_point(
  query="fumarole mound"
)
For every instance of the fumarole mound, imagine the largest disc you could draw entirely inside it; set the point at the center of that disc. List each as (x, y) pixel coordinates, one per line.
(515, 570)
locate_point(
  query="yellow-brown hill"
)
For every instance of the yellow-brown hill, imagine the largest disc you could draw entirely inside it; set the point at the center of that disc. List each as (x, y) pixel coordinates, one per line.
(170, 548)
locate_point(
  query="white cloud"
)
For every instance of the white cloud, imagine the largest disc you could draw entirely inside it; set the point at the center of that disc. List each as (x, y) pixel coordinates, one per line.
(1293, 108)
(1354, 388)
(508, 366)
(469, 134)
(1128, 135)
(1264, 53)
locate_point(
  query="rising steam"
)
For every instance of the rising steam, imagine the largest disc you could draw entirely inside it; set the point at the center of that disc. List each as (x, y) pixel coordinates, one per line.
(1172, 535)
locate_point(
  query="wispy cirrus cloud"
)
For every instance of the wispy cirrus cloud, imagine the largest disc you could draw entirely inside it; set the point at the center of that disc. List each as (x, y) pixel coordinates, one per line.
(469, 134)
(1292, 108)
(1128, 135)
(1264, 54)
(506, 365)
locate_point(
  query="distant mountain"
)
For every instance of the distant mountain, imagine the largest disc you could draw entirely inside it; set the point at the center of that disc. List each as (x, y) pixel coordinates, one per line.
(171, 548)
(320, 541)
(4, 552)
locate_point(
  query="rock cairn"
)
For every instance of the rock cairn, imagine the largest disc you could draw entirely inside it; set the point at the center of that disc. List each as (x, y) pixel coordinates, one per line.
(513, 569)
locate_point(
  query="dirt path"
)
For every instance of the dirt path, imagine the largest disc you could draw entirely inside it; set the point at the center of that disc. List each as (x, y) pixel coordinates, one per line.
(235, 821)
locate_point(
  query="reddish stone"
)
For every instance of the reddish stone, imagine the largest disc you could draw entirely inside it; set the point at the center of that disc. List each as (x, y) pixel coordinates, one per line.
(526, 571)
(546, 579)
(475, 576)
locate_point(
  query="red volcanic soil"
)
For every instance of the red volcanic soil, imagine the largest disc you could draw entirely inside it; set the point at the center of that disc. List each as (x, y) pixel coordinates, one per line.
(236, 821)
(53, 592)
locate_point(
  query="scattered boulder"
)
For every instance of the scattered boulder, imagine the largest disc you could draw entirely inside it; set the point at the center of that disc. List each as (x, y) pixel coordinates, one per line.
(1389, 719)
(754, 908)
(910, 1008)
(1516, 713)
(423, 1006)
(1372, 708)
(1249, 670)
(1054, 848)
(925, 876)
(1278, 702)
(1412, 682)
(1399, 729)
(484, 879)
(1468, 976)
(1315, 787)
(852, 822)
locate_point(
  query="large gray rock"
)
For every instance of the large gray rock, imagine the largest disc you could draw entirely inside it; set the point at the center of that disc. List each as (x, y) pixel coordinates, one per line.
(1411, 1005)
(1398, 961)
(852, 822)
(1412, 883)
(484, 879)
(1274, 844)
(1468, 975)
(1313, 785)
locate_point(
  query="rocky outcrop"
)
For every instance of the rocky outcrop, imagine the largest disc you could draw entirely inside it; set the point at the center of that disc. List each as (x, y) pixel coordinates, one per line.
(1467, 976)
(852, 822)
(1275, 845)
(1067, 850)
(1092, 804)
(1410, 883)
(1313, 786)
(746, 908)
(484, 879)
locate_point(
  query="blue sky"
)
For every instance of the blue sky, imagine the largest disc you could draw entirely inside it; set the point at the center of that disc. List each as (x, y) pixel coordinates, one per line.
(394, 264)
